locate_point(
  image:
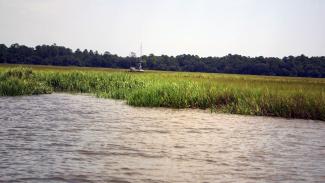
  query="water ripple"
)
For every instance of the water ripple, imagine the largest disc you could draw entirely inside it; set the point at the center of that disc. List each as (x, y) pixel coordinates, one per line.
(80, 138)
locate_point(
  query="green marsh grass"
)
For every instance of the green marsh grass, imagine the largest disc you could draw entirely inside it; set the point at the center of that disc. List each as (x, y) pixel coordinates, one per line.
(238, 94)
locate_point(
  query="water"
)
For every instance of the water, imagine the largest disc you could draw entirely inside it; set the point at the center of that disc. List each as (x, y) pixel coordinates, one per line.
(78, 138)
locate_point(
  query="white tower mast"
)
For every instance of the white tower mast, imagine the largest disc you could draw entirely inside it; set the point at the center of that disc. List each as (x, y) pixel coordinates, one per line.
(140, 58)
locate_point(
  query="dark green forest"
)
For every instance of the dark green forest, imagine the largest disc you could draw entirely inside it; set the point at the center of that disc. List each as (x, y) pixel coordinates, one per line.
(301, 66)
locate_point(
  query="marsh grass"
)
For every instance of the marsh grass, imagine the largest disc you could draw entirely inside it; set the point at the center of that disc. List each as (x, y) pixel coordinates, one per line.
(238, 94)
(21, 81)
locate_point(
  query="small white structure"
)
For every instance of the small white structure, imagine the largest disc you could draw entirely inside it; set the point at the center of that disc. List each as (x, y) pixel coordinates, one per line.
(139, 63)
(133, 69)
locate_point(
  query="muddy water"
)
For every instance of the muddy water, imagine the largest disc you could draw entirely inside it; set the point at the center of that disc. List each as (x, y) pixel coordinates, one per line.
(77, 138)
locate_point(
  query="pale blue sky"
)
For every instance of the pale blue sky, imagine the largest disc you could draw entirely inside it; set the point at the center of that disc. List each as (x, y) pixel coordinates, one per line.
(203, 27)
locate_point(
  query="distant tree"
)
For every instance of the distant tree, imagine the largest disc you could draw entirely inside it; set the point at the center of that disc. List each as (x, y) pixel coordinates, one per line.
(3, 53)
(302, 65)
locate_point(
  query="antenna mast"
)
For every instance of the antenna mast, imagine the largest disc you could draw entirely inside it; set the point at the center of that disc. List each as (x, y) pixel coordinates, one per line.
(140, 58)
(140, 50)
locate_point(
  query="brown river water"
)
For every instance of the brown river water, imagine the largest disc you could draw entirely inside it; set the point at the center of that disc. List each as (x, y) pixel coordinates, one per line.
(80, 138)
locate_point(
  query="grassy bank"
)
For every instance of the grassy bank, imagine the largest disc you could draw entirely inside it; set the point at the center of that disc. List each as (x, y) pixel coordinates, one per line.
(250, 95)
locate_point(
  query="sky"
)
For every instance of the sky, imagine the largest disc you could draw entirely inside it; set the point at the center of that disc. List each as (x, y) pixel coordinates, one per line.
(272, 28)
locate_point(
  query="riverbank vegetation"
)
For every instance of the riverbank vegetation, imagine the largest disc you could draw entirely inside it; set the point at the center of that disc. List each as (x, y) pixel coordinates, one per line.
(301, 66)
(238, 94)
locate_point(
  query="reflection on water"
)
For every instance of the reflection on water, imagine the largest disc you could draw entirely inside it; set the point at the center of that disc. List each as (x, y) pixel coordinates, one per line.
(77, 138)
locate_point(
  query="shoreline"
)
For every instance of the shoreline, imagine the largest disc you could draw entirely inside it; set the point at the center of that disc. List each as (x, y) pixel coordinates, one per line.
(233, 95)
(205, 111)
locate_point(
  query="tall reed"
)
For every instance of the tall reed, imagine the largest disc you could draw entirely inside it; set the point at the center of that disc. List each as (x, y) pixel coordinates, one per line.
(249, 95)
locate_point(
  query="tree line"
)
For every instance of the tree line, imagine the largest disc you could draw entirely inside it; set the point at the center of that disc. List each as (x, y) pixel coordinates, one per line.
(301, 66)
